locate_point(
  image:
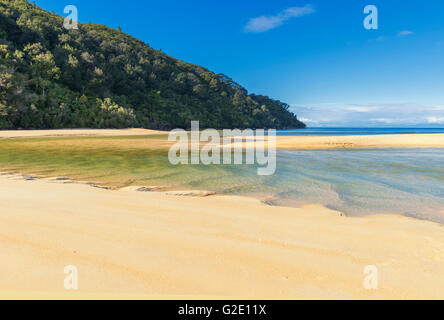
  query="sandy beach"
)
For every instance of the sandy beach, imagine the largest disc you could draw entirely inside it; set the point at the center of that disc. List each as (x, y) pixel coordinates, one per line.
(283, 142)
(370, 141)
(151, 245)
(280, 150)
(76, 132)
(129, 244)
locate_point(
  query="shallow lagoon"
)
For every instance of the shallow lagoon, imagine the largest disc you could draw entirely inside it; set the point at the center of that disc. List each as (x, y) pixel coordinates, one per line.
(356, 182)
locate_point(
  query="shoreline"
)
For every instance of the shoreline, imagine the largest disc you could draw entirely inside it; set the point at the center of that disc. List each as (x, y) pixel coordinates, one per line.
(267, 200)
(435, 140)
(150, 244)
(78, 132)
(156, 140)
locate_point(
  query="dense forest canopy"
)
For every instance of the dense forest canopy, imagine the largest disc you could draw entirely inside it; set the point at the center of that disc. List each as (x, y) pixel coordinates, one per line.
(98, 77)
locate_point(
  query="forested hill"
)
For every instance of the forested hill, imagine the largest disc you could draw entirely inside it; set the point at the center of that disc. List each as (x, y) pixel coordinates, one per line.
(98, 77)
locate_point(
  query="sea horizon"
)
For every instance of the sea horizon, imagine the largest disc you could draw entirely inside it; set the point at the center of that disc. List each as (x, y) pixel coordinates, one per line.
(356, 131)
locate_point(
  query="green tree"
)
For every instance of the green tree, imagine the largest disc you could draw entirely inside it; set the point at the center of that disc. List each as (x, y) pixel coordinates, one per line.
(101, 77)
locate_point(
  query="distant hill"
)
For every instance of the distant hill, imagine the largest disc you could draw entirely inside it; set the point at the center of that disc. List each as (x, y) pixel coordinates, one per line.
(98, 77)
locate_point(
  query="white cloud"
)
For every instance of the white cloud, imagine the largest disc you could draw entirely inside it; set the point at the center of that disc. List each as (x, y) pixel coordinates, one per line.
(310, 122)
(362, 109)
(385, 120)
(435, 120)
(265, 23)
(437, 108)
(404, 33)
(371, 115)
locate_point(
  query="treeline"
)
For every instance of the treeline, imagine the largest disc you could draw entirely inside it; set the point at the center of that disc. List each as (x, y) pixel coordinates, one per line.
(97, 77)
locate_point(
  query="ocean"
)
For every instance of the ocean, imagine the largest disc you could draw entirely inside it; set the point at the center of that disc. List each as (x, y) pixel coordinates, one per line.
(356, 131)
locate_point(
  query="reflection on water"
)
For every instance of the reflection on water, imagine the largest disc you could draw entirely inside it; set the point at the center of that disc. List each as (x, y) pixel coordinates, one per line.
(356, 182)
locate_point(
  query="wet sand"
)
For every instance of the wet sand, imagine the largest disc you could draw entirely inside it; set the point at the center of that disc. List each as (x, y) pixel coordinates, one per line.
(283, 142)
(154, 245)
(371, 141)
(76, 132)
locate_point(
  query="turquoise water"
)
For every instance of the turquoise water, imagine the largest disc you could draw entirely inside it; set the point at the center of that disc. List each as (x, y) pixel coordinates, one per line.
(356, 131)
(356, 182)
(361, 182)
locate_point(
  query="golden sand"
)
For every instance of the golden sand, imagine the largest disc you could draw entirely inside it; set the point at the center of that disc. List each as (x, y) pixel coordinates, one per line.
(371, 141)
(148, 245)
(283, 142)
(76, 132)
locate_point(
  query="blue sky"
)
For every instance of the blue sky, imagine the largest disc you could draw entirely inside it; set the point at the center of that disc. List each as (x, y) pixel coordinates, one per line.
(315, 55)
